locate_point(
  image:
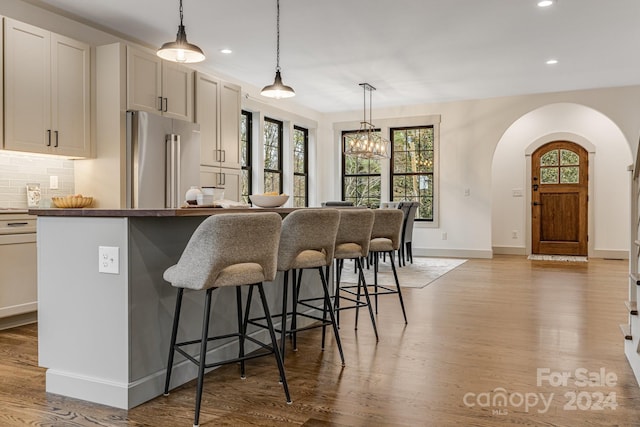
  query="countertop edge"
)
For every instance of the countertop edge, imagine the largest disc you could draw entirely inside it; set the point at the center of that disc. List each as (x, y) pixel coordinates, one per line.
(124, 213)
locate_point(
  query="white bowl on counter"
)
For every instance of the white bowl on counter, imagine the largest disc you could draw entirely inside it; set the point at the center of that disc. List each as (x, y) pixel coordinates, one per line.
(265, 201)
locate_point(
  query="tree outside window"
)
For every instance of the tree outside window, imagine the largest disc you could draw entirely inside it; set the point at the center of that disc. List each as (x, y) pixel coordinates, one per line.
(412, 168)
(245, 155)
(272, 155)
(361, 181)
(300, 167)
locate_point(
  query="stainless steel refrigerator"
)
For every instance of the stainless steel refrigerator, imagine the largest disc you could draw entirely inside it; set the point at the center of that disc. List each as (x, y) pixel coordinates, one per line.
(163, 160)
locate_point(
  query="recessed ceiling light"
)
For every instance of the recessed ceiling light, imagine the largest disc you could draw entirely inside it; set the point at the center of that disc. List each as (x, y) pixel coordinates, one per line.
(545, 3)
(226, 51)
(551, 62)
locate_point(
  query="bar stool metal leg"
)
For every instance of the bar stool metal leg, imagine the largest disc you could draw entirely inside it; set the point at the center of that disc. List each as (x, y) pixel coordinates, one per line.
(241, 331)
(327, 302)
(395, 276)
(366, 296)
(203, 354)
(274, 342)
(283, 324)
(174, 334)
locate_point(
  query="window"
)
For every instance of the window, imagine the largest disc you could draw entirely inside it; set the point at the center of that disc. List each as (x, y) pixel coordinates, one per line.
(272, 156)
(412, 166)
(361, 182)
(560, 167)
(300, 167)
(245, 153)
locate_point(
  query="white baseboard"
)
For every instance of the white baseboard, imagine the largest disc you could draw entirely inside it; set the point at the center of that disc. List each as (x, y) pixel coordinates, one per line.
(18, 320)
(597, 253)
(453, 253)
(610, 254)
(509, 250)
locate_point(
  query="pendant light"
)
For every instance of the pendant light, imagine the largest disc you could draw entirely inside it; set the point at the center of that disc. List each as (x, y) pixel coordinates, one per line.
(181, 50)
(366, 143)
(278, 90)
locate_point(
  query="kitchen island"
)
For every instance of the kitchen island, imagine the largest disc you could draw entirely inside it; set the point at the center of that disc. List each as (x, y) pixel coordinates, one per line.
(104, 337)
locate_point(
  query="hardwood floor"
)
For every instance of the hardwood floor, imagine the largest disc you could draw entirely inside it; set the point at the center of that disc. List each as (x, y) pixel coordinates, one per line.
(485, 327)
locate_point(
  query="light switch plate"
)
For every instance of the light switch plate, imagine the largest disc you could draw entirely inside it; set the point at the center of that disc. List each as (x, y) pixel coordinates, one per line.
(109, 259)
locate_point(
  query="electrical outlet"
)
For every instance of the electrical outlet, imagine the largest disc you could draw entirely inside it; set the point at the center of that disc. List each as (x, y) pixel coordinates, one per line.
(109, 259)
(53, 182)
(467, 192)
(514, 234)
(444, 235)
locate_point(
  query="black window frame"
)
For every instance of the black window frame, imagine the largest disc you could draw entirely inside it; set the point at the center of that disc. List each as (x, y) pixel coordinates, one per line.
(305, 173)
(359, 200)
(278, 171)
(432, 174)
(245, 161)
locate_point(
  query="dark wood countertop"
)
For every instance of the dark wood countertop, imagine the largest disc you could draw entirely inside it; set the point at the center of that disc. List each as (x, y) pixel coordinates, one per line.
(124, 213)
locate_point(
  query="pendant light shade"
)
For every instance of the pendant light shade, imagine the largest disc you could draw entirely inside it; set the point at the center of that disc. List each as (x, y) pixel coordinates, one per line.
(181, 50)
(278, 90)
(366, 143)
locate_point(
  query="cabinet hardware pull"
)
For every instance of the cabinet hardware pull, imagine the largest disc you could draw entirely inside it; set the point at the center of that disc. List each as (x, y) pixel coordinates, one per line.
(166, 105)
(224, 155)
(56, 144)
(160, 107)
(221, 179)
(17, 224)
(48, 137)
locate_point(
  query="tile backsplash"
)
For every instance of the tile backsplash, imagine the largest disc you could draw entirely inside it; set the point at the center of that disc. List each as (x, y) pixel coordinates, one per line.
(17, 170)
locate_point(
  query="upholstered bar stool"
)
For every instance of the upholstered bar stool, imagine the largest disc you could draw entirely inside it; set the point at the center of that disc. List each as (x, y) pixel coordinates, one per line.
(307, 242)
(385, 239)
(226, 250)
(352, 242)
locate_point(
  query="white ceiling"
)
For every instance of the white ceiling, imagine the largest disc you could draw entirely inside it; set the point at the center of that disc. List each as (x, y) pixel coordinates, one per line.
(412, 51)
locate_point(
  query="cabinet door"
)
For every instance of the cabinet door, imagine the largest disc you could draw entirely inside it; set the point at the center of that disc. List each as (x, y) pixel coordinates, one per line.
(70, 96)
(144, 81)
(27, 87)
(206, 114)
(177, 91)
(229, 179)
(230, 105)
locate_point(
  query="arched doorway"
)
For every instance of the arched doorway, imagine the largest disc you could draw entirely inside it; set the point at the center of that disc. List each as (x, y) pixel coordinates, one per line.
(559, 199)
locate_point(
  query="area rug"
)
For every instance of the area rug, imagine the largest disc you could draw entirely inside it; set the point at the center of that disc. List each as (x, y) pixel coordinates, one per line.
(417, 275)
(535, 257)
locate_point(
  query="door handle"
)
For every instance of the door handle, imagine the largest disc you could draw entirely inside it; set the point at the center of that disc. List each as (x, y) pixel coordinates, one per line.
(537, 204)
(535, 187)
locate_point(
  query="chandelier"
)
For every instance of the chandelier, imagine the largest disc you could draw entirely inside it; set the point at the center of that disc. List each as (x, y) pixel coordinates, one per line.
(366, 143)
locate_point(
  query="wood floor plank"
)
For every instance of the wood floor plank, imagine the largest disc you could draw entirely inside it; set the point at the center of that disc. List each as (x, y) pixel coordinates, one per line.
(486, 327)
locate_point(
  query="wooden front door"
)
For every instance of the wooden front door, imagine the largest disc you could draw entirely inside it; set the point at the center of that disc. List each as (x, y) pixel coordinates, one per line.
(559, 195)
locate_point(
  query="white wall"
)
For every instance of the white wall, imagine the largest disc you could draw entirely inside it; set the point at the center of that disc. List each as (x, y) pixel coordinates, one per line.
(610, 155)
(469, 135)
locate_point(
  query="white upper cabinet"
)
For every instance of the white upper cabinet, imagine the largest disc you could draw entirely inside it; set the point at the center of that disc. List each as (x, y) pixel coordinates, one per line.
(47, 99)
(158, 86)
(218, 105)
